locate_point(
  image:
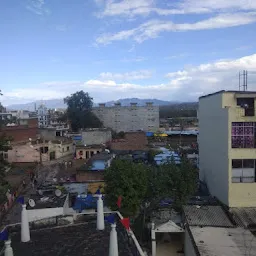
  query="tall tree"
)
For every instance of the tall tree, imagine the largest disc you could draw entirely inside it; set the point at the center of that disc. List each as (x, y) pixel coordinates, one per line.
(129, 180)
(79, 111)
(177, 182)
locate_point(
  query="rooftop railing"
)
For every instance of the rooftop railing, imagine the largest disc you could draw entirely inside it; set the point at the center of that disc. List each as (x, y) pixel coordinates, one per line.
(67, 220)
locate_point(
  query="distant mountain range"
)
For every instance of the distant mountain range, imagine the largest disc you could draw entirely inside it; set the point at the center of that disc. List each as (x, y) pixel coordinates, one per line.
(59, 103)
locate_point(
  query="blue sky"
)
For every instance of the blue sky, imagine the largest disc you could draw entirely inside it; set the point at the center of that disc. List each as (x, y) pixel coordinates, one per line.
(171, 50)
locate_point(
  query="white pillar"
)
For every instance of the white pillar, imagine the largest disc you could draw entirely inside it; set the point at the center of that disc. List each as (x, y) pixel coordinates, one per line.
(113, 243)
(8, 249)
(153, 239)
(25, 233)
(100, 214)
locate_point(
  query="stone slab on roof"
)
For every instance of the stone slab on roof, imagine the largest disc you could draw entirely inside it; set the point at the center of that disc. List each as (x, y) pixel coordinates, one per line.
(212, 241)
(78, 239)
(206, 215)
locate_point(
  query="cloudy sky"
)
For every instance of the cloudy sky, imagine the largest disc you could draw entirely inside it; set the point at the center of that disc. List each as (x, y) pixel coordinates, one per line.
(165, 49)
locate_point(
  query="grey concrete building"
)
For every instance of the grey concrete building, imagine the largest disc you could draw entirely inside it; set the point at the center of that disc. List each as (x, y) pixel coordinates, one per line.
(129, 118)
(96, 136)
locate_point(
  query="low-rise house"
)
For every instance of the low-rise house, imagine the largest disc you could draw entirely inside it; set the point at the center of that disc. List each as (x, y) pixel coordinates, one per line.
(39, 151)
(132, 141)
(93, 171)
(96, 136)
(23, 131)
(53, 132)
(86, 152)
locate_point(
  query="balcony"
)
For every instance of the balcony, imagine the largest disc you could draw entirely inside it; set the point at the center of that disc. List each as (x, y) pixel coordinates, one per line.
(247, 106)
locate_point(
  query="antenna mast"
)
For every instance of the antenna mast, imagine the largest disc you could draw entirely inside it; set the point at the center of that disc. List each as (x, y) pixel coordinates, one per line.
(243, 79)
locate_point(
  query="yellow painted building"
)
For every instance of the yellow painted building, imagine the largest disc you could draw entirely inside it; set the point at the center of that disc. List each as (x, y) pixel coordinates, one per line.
(227, 146)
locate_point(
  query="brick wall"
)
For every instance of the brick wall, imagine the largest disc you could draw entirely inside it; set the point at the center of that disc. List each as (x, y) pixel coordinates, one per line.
(22, 132)
(131, 141)
(89, 176)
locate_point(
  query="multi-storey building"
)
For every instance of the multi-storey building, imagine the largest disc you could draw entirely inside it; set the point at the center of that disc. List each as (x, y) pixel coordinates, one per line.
(227, 146)
(43, 116)
(129, 118)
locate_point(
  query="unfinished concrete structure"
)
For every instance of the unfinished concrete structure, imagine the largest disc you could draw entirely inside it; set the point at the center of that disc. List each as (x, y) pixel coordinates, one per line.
(129, 118)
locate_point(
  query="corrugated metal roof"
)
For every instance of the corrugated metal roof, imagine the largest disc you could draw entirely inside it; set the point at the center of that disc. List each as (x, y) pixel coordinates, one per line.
(244, 216)
(212, 241)
(191, 132)
(206, 215)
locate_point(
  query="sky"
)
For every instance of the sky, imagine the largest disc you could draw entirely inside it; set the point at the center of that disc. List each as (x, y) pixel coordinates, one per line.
(165, 49)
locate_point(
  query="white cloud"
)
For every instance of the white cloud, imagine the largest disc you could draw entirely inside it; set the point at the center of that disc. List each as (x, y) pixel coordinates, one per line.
(183, 85)
(153, 28)
(134, 75)
(38, 7)
(220, 75)
(145, 7)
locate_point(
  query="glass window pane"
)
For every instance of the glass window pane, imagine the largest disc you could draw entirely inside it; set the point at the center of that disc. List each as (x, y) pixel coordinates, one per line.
(237, 163)
(248, 141)
(248, 163)
(237, 142)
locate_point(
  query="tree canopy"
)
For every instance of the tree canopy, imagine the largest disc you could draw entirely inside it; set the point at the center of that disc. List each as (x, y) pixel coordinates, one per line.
(79, 111)
(4, 147)
(129, 180)
(139, 184)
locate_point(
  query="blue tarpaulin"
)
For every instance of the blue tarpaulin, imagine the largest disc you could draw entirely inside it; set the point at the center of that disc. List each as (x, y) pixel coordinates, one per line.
(85, 202)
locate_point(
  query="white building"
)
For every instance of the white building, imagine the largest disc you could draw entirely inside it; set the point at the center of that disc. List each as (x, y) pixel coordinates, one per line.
(43, 116)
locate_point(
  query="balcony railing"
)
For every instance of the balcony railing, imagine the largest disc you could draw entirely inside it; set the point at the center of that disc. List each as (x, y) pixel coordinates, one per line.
(243, 112)
(243, 179)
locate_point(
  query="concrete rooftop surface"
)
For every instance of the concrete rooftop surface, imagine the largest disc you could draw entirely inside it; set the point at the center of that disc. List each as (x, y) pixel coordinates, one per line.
(77, 239)
(212, 241)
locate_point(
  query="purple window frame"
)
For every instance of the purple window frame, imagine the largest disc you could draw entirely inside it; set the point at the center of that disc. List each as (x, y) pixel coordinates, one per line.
(242, 135)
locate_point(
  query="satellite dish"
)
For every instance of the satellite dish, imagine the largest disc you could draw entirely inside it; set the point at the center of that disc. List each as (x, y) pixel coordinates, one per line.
(31, 203)
(40, 192)
(57, 193)
(30, 139)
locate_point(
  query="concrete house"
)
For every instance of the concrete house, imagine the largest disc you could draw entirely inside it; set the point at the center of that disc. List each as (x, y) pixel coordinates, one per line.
(227, 146)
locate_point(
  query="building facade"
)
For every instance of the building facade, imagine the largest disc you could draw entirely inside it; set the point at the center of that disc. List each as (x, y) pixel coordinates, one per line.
(96, 136)
(227, 146)
(23, 131)
(43, 116)
(129, 118)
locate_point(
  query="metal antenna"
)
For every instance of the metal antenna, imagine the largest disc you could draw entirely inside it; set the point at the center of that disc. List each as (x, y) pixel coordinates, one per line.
(243, 83)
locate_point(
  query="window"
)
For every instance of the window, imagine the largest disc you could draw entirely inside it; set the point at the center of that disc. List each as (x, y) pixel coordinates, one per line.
(243, 135)
(67, 148)
(243, 170)
(247, 104)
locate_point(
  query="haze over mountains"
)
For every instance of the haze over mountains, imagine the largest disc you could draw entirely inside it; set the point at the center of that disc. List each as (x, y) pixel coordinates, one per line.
(59, 103)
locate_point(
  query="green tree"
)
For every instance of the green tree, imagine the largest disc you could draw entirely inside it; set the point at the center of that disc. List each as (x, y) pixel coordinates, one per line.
(4, 147)
(79, 111)
(129, 180)
(178, 182)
